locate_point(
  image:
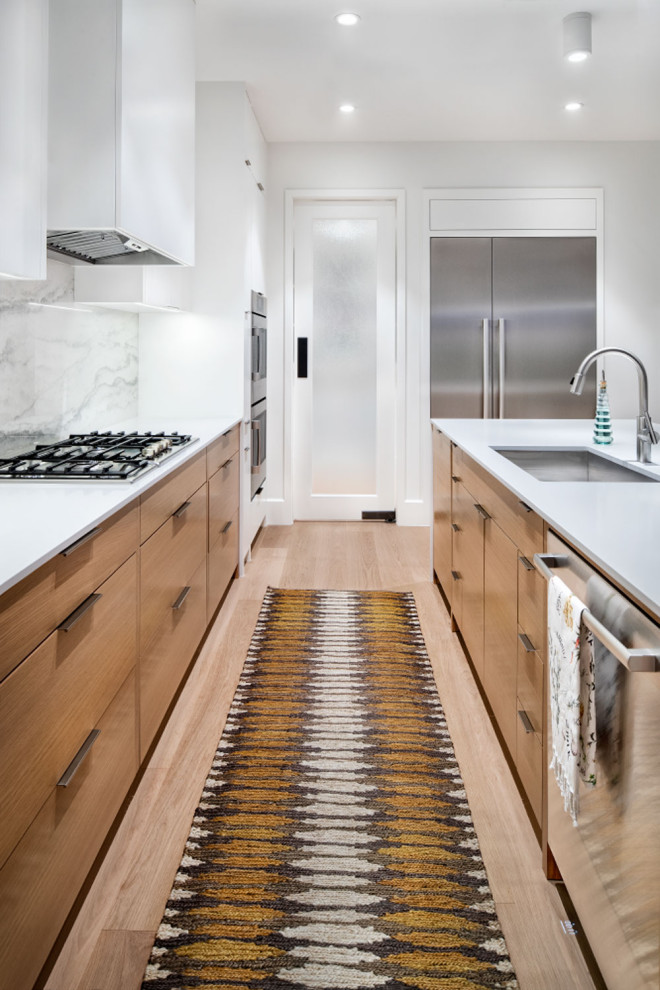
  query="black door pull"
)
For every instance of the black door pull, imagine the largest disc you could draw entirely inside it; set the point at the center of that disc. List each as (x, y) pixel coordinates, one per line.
(302, 357)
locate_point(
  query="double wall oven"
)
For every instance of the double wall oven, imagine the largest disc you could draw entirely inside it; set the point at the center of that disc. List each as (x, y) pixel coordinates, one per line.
(258, 392)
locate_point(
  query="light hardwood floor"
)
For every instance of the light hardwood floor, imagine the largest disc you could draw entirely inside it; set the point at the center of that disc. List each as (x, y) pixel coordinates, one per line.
(109, 944)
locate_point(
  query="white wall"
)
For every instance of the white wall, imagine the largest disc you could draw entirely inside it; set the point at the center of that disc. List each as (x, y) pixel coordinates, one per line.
(627, 172)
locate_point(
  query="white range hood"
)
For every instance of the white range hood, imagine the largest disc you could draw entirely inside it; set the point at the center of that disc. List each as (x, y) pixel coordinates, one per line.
(121, 135)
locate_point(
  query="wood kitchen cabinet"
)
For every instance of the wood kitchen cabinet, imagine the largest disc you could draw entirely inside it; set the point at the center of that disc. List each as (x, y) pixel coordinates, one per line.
(172, 593)
(497, 602)
(94, 646)
(65, 766)
(442, 517)
(500, 627)
(467, 595)
(223, 466)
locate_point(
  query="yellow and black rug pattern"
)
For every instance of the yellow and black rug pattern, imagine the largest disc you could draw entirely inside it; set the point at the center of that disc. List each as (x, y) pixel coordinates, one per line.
(333, 845)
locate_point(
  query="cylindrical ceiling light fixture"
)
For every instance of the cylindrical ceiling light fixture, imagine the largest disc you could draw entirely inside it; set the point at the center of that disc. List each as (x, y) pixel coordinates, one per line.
(577, 36)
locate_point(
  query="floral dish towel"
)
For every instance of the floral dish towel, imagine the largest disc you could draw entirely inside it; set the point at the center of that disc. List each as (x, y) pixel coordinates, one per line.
(572, 695)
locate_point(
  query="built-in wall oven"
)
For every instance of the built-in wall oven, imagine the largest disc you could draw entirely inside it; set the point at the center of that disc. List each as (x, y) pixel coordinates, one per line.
(610, 860)
(258, 417)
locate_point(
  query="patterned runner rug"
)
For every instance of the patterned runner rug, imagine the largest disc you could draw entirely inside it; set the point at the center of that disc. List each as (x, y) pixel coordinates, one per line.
(333, 845)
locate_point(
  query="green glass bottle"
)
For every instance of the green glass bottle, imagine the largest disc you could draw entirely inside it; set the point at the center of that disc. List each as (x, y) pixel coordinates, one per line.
(603, 423)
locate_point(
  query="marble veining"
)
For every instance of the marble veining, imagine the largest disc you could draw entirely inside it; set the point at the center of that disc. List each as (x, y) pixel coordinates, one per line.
(63, 368)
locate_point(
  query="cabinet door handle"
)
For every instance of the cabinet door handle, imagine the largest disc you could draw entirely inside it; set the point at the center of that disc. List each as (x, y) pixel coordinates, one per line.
(524, 718)
(181, 599)
(526, 642)
(74, 766)
(80, 542)
(526, 507)
(482, 512)
(455, 477)
(527, 564)
(226, 527)
(227, 463)
(182, 508)
(456, 576)
(456, 527)
(78, 613)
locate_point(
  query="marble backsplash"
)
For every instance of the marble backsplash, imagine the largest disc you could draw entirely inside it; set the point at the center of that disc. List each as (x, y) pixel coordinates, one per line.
(63, 369)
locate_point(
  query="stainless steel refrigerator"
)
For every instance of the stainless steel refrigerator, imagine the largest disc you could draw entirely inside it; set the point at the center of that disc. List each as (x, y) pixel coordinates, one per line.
(511, 319)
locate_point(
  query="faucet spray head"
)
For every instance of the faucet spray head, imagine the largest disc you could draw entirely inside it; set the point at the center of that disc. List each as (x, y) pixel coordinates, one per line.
(577, 383)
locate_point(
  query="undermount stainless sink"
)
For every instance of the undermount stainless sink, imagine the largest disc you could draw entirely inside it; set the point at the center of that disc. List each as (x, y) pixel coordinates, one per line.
(571, 464)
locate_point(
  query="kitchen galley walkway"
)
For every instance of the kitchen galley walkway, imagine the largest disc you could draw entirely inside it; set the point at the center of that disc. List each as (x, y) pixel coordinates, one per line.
(110, 943)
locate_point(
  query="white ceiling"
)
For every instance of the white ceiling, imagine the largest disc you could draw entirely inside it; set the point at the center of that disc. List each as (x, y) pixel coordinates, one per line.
(436, 70)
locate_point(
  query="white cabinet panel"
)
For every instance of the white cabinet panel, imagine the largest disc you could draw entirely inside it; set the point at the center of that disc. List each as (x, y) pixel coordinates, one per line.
(135, 288)
(23, 60)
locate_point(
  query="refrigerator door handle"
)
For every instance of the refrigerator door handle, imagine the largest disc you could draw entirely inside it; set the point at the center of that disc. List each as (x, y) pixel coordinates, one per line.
(500, 335)
(485, 327)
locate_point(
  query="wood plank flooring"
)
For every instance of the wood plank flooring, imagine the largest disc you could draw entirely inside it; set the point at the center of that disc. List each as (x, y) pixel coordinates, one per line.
(110, 942)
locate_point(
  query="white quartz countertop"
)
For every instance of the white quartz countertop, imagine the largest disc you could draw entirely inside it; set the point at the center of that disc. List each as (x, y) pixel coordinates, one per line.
(615, 524)
(38, 519)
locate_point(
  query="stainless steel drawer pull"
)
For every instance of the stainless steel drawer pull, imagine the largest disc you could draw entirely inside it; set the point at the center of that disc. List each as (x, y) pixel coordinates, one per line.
(482, 512)
(78, 613)
(80, 542)
(526, 507)
(527, 564)
(456, 576)
(226, 527)
(637, 661)
(226, 464)
(181, 599)
(182, 508)
(456, 527)
(526, 642)
(527, 725)
(76, 762)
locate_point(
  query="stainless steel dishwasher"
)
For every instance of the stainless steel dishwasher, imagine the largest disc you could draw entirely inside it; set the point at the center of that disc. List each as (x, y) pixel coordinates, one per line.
(610, 861)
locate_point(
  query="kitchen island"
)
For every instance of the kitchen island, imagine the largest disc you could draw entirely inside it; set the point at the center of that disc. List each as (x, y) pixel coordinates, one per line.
(616, 525)
(499, 531)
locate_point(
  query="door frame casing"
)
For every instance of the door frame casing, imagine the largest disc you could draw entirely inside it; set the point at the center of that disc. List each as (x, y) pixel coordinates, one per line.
(282, 514)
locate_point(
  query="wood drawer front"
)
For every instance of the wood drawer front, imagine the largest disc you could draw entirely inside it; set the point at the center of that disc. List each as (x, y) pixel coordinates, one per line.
(223, 497)
(167, 561)
(532, 604)
(35, 606)
(530, 687)
(523, 526)
(158, 504)
(222, 562)
(221, 449)
(442, 518)
(529, 764)
(41, 880)
(163, 665)
(52, 701)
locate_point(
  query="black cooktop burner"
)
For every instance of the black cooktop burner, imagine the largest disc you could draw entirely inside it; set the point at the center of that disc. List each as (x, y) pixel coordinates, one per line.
(94, 457)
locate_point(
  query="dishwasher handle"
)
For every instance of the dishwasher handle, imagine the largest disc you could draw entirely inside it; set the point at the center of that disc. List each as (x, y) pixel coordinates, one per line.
(636, 661)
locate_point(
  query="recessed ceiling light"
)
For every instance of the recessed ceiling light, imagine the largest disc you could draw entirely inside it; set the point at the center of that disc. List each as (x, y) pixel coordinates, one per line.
(347, 108)
(573, 106)
(347, 19)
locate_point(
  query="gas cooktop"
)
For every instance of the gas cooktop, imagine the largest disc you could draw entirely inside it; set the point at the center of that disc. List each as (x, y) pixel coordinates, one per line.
(94, 457)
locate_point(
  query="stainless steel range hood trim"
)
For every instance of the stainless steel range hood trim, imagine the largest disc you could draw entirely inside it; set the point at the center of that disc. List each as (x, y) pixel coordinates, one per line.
(103, 247)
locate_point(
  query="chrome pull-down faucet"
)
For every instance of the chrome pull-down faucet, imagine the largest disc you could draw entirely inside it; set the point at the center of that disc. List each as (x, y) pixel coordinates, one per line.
(646, 435)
